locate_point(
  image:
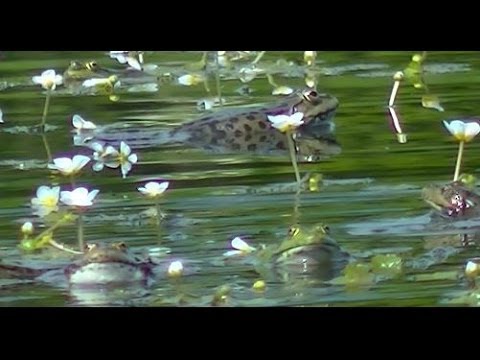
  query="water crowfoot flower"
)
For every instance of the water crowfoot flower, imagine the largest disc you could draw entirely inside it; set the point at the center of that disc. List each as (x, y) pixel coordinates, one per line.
(80, 199)
(46, 201)
(175, 269)
(27, 229)
(69, 167)
(129, 57)
(113, 158)
(462, 132)
(240, 246)
(154, 189)
(287, 124)
(80, 124)
(49, 81)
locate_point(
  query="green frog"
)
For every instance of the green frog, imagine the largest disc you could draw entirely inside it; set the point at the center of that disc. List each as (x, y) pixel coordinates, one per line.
(305, 251)
(249, 130)
(79, 71)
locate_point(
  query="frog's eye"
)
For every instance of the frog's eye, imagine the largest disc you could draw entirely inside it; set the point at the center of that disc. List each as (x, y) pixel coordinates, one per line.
(310, 95)
(121, 246)
(91, 65)
(293, 230)
(90, 247)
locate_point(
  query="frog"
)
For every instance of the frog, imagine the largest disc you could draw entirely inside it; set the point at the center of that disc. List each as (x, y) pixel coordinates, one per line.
(452, 200)
(79, 71)
(100, 264)
(310, 251)
(248, 129)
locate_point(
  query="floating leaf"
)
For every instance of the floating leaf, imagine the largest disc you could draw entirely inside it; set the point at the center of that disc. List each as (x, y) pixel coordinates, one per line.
(431, 102)
(389, 265)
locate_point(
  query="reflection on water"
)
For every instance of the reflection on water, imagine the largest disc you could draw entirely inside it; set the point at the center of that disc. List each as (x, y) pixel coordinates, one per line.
(369, 194)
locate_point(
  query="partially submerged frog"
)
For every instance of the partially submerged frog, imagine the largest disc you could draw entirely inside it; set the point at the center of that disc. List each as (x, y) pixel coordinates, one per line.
(305, 251)
(249, 130)
(100, 265)
(453, 200)
(79, 71)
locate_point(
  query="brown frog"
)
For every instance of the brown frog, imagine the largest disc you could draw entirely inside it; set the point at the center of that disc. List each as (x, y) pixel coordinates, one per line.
(452, 200)
(247, 129)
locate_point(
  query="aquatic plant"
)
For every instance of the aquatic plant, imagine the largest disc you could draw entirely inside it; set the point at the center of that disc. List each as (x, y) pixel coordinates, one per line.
(287, 125)
(462, 132)
(49, 81)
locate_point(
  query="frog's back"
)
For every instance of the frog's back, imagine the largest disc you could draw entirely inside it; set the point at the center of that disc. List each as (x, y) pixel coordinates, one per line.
(233, 130)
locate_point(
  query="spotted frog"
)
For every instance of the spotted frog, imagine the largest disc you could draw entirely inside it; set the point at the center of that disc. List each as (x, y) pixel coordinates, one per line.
(249, 130)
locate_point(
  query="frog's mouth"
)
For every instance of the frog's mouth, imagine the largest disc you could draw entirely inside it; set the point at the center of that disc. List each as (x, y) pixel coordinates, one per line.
(107, 272)
(449, 201)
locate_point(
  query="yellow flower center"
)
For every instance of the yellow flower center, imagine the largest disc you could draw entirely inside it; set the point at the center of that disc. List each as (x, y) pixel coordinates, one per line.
(49, 201)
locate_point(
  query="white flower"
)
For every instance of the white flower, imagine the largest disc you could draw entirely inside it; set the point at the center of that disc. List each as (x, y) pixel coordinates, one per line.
(48, 79)
(175, 268)
(463, 131)
(110, 81)
(247, 74)
(126, 159)
(240, 246)
(46, 200)
(282, 90)
(154, 189)
(472, 268)
(286, 123)
(1, 116)
(27, 228)
(309, 57)
(69, 166)
(78, 197)
(124, 57)
(80, 124)
(112, 158)
(189, 79)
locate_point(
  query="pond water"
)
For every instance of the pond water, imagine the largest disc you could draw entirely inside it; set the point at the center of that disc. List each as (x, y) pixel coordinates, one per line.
(369, 196)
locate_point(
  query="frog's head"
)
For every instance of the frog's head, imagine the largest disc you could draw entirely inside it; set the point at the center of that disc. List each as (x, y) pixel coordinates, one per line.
(451, 200)
(79, 70)
(315, 139)
(105, 264)
(309, 249)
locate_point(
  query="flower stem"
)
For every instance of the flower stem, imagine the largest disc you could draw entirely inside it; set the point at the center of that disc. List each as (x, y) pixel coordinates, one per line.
(47, 148)
(459, 160)
(45, 111)
(59, 223)
(293, 156)
(63, 248)
(81, 243)
(159, 218)
(217, 79)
